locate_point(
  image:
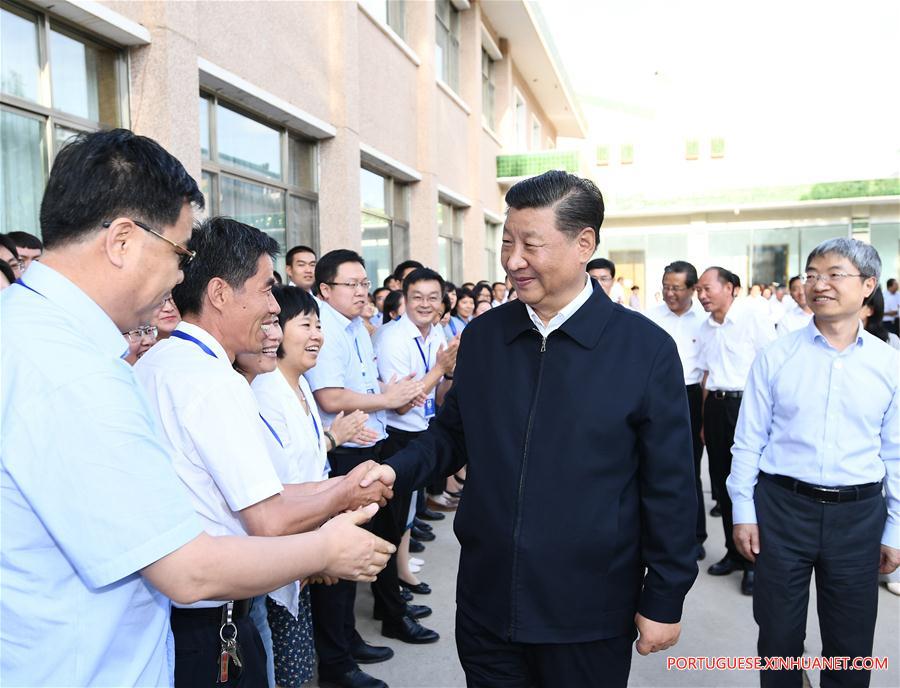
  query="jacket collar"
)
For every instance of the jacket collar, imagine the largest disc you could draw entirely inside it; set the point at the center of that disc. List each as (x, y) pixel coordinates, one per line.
(584, 327)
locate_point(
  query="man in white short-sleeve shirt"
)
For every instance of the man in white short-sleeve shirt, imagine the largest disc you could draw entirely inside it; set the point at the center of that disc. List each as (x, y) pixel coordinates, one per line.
(210, 418)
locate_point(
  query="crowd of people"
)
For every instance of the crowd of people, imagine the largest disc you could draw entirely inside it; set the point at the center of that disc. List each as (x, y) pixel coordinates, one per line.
(269, 443)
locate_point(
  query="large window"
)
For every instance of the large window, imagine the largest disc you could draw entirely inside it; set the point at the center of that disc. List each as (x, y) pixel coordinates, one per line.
(449, 218)
(446, 57)
(390, 12)
(260, 174)
(521, 119)
(385, 223)
(487, 89)
(492, 232)
(54, 83)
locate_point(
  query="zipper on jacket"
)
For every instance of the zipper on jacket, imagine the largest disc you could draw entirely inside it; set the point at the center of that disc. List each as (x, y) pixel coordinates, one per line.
(517, 528)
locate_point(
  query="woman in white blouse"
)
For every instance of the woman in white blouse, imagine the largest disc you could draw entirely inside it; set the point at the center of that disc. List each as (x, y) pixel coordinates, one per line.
(289, 409)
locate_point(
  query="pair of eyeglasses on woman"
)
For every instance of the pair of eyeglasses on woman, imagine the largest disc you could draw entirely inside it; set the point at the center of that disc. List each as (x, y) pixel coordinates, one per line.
(139, 333)
(186, 254)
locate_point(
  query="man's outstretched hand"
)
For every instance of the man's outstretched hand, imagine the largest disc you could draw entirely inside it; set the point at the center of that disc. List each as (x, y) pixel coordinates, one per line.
(381, 472)
(655, 636)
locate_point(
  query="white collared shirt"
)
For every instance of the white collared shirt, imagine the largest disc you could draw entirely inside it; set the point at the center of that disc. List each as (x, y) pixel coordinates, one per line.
(347, 360)
(564, 314)
(403, 350)
(727, 350)
(795, 318)
(209, 418)
(685, 330)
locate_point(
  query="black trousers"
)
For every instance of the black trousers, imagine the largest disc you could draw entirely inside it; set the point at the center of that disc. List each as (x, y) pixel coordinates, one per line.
(494, 662)
(334, 620)
(695, 404)
(390, 523)
(198, 648)
(719, 421)
(841, 543)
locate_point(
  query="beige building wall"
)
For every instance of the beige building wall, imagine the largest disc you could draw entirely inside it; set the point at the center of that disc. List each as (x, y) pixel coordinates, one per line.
(333, 61)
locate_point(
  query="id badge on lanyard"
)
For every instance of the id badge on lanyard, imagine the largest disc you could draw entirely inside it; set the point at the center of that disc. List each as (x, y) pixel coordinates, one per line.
(429, 402)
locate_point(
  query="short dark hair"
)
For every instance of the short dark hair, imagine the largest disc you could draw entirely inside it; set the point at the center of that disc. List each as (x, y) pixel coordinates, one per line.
(498, 284)
(107, 174)
(294, 251)
(601, 264)
(377, 290)
(577, 203)
(682, 267)
(445, 303)
(891, 282)
(795, 278)
(9, 245)
(26, 240)
(449, 286)
(725, 276)
(391, 303)
(225, 248)
(294, 301)
(387, 279)
(7, 271)
(422, 275)
(277, 276)
(328, 265)
(406, 265)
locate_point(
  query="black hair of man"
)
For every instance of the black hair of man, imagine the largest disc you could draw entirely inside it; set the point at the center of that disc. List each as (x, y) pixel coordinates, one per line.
(328, 265)
(422, 275)
(294, 302)
(795, 278)
(9, 245)
(601, 264)
(468, 285)
(26, 240)
(682, 267)
(294, 251)
(391, 303)
(7, 272)
(498, 284)
(726, 276)
(445, 304)
(103, 175)
(891, 282)
(277, 276)
(378, 291)
(225, 248)
(406, 265)
(448, 287)
(389, 278)
(577, 202)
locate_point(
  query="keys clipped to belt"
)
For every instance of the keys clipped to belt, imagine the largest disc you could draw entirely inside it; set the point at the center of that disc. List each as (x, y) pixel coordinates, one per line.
(230, 648)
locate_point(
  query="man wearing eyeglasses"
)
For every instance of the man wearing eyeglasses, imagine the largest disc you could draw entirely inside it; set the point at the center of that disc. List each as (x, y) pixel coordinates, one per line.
(817, 440)
(344, 379)
(682, 317)
(730, 338)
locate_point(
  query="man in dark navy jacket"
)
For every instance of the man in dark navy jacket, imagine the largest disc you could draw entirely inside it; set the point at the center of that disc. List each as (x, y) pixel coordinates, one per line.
(577, 521)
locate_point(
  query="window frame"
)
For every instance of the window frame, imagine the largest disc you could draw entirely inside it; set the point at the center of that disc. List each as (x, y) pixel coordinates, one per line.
(449, 67)
(454, 236)
(214, 167)
(398, 222)
(488, 91)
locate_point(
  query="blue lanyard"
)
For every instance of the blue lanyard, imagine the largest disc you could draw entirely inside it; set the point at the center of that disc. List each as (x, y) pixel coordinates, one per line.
(178, 334)
(452, 326)
(315, 424)
(359, 355)
(422, 354)
(22, 284)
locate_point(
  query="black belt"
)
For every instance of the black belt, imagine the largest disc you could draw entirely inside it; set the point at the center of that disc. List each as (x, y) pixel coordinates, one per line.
(829, 495)
(374, 450)
(725, 394)
(214, 614)
(412, 434)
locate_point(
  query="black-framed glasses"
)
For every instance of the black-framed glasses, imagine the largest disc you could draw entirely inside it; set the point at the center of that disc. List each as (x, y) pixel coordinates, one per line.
(365, 284)
(186, 254)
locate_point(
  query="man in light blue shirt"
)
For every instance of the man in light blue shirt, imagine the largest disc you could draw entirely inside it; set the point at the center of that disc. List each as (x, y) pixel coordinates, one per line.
(98, 533)
(817, 439)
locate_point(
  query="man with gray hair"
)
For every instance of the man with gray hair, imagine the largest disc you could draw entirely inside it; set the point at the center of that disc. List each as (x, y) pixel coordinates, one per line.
(817, 439)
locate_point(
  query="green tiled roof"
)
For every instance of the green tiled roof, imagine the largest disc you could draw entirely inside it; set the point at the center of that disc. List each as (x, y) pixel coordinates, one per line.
(530, 164)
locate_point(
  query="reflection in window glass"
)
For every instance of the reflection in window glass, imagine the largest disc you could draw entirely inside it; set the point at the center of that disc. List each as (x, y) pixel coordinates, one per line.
(19, 60)
(254, 204)
(302, 163)
(204, 128)
(303, 220)
(372, 188)
(21, 172)
(83, 78)
(248, 144)
(61, 136)
(207, 188)
(376, 247)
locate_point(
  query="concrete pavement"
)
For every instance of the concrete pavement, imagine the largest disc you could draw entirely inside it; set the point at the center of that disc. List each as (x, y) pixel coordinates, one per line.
(718, 621)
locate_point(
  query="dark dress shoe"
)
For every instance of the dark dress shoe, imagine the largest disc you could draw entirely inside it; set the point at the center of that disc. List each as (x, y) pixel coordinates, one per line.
(430, 515)
(701, 553)
(421, 525)
(716, 510)
(747, 582)
(419, 588)
(415, 546)
(724, 567)
(406, 595)
(422, 535)
(363, 653)
(355, 678)
(413, 611)
(409, 631)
